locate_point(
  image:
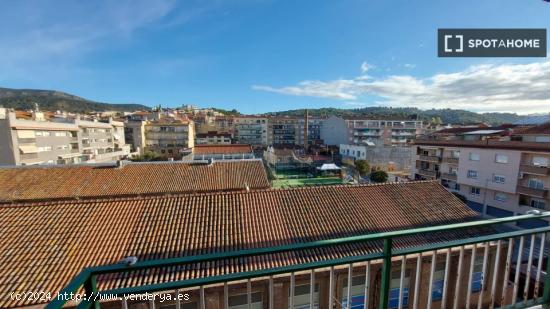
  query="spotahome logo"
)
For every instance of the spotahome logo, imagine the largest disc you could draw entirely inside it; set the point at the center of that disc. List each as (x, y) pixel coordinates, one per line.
(491, 42)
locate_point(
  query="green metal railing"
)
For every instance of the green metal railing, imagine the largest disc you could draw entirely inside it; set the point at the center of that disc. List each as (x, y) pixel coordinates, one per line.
(87, 278)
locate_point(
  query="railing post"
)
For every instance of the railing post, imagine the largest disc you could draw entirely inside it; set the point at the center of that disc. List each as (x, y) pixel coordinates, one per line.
(386, 275)
(546, 292)
(90, 288)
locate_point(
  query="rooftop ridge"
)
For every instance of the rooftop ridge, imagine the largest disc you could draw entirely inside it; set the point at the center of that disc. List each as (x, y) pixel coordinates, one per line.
(151, 196)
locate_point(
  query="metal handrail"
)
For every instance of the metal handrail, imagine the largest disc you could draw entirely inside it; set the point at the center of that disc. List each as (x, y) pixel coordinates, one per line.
(87, 277)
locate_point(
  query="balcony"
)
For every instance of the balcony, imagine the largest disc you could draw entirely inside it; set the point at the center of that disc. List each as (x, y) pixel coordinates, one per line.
(400, 277)
(450, 160)
(433, 159)
(449, 176)
(539, 193)
(427, 173)
(535, 170)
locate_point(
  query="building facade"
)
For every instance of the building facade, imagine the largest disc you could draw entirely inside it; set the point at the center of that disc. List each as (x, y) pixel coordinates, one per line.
(213, 138)
(63, 141)
(499, 178)
(169, 137)
(338, 130)
(251, 130)
(292, 131)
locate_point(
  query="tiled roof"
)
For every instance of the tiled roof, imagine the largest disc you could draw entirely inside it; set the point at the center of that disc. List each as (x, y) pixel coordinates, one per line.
(222, 149)
(540, 129)
(31, 183)
(45, 244)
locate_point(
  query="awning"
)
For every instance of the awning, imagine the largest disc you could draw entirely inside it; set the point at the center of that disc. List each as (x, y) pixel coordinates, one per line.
(328, 167)
(28, 149)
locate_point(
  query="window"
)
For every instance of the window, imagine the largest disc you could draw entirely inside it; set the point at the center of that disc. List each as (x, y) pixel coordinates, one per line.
(501, 158)
(502, 197)
(438, 282)
(540, 161)
(241, 301)
(61, 147)
(499, 179)
(45, 148)
(472, 174)
(536, 184)
(395, 289)
(301, 296)
(357, 293)
(540, 204)
(477, 275)
(60, 134)
(474, 156)
(453, 170)
(455, 154)
(475, 190)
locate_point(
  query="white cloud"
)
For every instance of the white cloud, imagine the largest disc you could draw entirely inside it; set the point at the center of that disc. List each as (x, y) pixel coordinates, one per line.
(365, 67)
(409, 65)
(521, 88)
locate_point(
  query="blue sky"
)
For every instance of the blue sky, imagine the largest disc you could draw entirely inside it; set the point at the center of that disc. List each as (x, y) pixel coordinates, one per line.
(258, 56)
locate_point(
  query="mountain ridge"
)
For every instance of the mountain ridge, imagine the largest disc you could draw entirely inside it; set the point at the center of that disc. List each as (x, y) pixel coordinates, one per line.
(53, 100)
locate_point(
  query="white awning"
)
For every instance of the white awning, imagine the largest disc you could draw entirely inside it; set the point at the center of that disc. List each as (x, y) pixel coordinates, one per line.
(328, 167)
(28, 149)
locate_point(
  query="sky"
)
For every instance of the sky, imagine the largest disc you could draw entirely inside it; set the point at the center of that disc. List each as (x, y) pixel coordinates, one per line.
(265, 55)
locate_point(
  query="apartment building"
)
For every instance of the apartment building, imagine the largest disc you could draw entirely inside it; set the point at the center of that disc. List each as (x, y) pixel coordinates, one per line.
(213, 138)
(59, 141)
(499, 177)
(338, 130)
(292, 131)
(171, 137)
(250, 130)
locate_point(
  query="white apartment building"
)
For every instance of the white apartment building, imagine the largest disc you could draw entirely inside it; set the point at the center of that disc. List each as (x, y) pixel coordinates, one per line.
(499, 178)
(62, 141)
(338, 130)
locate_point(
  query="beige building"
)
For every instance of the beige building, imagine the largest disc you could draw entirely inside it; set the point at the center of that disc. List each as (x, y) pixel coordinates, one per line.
(171, 137)
(499, 178)
(62, 141)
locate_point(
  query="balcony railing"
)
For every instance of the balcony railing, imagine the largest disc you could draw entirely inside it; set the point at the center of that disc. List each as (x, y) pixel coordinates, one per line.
(533, 169)
(448, 176)
(450, 160)
(428, 173)
(540, 193)
(496, 283)
(434, 159)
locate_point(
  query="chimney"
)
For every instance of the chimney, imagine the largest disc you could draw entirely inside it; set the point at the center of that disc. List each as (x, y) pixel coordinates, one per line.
(306, 129)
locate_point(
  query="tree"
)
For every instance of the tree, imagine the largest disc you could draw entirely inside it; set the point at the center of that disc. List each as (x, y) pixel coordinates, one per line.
(147, 156)
(362, 167)
(379, 176)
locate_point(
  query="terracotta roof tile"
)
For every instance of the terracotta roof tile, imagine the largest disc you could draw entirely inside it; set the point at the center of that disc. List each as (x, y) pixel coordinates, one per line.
(540, 129)
(32, 183)
(45, 244)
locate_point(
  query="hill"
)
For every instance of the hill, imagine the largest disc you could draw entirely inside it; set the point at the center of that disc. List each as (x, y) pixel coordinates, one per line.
(50, 100)
(455, 116)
